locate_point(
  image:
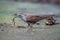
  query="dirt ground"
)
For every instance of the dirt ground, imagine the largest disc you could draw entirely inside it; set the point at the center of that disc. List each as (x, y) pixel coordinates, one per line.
(47, 33)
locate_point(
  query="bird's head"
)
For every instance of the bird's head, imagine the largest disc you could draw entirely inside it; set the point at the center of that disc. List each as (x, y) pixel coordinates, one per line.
(17, 15)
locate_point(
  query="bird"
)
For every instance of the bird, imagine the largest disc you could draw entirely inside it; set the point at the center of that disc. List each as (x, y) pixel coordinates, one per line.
(30, 19)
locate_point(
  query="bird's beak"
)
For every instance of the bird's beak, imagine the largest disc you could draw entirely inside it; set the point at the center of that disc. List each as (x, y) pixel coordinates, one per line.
(13, 21)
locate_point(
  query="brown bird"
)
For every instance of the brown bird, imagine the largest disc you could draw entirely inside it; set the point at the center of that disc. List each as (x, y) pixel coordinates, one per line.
(30, 19)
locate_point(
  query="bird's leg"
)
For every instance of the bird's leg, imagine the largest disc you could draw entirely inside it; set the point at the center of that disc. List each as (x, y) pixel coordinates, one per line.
(30, 27)
(13, 21)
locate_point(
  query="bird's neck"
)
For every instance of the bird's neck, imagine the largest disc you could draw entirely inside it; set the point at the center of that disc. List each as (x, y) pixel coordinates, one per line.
(23, 17)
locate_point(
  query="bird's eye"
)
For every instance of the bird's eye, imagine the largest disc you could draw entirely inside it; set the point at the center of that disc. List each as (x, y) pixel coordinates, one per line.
(19, 15)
